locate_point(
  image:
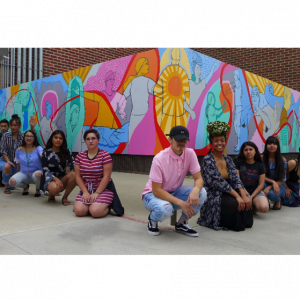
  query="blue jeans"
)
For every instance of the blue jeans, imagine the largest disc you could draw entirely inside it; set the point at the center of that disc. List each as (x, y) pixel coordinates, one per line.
(161, 210)
(272, 196)
(12, 172)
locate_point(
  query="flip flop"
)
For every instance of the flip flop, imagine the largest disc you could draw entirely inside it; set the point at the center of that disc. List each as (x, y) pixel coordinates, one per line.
(65, 202)
(51, 200)
(7, 191)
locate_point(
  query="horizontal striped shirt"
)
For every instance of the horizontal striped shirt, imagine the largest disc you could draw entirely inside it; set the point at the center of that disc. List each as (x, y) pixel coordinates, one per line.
(9, 145)
(91, 170)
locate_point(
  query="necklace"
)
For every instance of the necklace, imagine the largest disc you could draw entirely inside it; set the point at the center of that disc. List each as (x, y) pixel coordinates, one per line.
(27, 161)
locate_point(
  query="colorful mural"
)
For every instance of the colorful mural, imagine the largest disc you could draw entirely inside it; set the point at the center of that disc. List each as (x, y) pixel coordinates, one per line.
(134, 101)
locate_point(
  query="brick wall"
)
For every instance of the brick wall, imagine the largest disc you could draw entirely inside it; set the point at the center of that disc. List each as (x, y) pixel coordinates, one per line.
(281, 65)
(59, 60)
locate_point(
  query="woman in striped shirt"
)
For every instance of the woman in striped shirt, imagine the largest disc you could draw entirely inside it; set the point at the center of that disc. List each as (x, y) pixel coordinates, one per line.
(93, 169)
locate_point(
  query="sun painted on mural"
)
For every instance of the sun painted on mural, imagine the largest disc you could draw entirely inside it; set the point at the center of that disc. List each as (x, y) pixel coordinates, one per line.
(134, 101)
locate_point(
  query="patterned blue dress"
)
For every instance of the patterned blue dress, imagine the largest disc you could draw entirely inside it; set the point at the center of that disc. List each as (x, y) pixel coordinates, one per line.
(215, 186)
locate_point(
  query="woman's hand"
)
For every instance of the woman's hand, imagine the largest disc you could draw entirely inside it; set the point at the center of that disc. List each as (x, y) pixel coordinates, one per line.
(59, 184)
(93, 197)
(276, 188)
(288, 192)
(248, 201)
(11, 163)
(267, 190)
(241, 203)
(86, 197)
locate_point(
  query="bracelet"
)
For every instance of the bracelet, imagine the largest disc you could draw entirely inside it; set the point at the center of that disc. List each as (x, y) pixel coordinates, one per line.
(97, 193)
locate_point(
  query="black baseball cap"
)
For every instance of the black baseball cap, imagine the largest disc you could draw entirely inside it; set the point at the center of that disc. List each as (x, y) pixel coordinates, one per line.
(179, 133)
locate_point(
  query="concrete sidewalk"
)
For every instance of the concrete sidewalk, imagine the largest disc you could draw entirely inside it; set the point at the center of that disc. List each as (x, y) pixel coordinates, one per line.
(30, 225)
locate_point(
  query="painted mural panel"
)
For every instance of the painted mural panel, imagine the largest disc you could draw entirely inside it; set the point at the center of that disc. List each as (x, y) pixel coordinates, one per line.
(135, 100)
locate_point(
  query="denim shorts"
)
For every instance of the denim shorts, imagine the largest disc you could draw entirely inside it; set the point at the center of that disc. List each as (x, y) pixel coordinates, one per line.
(260, 194)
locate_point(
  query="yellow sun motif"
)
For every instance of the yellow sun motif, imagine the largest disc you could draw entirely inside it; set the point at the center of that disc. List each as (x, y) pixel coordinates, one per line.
(171, 91)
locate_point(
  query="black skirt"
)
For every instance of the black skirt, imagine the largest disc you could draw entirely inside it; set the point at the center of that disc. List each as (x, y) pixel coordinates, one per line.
(231, 217)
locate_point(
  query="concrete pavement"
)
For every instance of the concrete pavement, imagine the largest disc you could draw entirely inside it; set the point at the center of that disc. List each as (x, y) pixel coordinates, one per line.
(30, 225)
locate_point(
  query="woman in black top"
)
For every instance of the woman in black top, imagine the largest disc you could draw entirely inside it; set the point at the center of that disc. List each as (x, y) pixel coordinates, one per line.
(55, 159)
(251, 170)
(292, 197)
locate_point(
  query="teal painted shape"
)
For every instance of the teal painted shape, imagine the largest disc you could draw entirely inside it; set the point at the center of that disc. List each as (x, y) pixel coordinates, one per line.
(75, 110)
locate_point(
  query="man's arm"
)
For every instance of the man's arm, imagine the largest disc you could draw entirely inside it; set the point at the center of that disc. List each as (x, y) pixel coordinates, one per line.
(198, 185)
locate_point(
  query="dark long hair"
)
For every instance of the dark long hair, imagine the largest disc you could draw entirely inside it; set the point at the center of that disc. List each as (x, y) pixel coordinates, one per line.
(35, 141)
(241, 156)
(64, 151)
(279, 164)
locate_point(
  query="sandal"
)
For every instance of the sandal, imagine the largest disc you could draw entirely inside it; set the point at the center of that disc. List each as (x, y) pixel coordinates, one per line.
(25, 193)
(7, 191)
(65, 202)
(51, 200)
(37, 194)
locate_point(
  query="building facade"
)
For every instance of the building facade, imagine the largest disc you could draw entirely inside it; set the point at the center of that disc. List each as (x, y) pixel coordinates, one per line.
(137, 95)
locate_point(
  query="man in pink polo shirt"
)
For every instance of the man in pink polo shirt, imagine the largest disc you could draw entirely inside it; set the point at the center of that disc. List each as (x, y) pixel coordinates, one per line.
(164, 192)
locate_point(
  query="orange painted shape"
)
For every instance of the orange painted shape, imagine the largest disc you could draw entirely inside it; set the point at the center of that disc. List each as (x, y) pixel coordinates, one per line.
(175, 86)
(261, 126)
(229, 96)
(91, 111)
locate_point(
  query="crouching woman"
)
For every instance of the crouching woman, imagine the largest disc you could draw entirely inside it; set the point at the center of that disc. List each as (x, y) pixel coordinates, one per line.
(93, 168)
(29, 164)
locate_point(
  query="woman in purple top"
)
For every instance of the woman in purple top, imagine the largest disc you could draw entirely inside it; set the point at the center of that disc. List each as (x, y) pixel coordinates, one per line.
(29, 164)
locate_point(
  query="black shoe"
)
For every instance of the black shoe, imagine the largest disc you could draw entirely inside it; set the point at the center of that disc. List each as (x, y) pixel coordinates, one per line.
(25, 193)
(186, 229)
(152, 227)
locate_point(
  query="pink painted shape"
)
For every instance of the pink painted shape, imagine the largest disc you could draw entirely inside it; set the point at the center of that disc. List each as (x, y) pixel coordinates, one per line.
(143, 139)
(296, 95)
(193, 125)
(256, 139)
(119, 66)
(52, 97)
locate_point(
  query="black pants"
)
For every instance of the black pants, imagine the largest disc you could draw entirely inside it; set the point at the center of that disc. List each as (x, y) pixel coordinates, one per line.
(231, 217)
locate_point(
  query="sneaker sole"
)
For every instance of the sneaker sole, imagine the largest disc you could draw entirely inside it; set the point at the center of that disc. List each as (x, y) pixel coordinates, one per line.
(188, 234)
(153, 233)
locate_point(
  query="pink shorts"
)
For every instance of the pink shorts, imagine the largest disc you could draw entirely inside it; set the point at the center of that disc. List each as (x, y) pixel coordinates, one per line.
(106, 197)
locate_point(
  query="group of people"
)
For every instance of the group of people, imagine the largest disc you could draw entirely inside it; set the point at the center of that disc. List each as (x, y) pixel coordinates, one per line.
(54, 170)
(227, 193)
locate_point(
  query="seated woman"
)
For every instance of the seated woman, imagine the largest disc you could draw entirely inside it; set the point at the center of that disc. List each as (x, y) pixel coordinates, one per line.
(275, 166)
(292, 196)
(224, 208)
(251, 170)
(55, 158)
(93, 169)
(29, 164)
